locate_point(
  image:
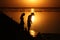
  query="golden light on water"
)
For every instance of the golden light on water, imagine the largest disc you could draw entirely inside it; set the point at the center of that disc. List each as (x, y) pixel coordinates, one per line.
(32, 18)
(32, 32)
(32, 10)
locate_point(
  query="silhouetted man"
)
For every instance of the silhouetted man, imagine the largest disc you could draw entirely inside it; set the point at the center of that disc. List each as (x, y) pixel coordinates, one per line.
(29, 21)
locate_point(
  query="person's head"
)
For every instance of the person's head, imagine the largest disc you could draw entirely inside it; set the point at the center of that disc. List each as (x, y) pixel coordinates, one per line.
(23, 14)
(32, 13)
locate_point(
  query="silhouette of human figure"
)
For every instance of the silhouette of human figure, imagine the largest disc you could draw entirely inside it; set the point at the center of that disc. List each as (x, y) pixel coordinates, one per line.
(22, 21)
(21, 27)
(29, 21)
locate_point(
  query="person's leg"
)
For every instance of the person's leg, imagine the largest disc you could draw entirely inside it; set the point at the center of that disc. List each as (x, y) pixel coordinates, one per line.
(29, 27)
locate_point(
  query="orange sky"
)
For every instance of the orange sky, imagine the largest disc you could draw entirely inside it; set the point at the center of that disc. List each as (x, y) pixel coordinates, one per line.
(45, 22)
(29, 3)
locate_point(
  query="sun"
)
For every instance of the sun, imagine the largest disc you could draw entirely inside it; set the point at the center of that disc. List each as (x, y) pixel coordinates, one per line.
(33, 1)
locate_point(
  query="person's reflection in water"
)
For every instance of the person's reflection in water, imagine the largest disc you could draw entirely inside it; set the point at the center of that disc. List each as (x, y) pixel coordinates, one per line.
(29, 21)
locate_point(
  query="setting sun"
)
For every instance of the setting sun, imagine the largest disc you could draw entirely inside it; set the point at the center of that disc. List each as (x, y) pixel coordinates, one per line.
(32, 1)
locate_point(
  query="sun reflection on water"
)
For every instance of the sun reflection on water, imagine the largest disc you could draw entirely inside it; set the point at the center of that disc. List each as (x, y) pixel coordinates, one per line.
(33, 33)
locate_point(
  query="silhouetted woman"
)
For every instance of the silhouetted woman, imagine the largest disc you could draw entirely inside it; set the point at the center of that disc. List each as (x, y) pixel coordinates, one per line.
(22, 21)
(21, 28)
